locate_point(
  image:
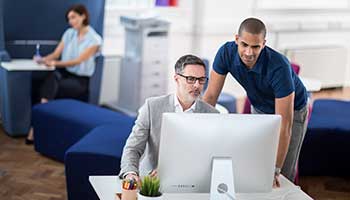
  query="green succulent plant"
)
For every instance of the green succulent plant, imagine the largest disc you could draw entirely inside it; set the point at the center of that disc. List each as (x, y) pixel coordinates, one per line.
(150, 187)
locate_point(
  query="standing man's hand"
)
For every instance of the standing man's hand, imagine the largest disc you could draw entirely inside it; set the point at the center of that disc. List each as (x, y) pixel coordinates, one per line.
(276, 181)
(276, 178)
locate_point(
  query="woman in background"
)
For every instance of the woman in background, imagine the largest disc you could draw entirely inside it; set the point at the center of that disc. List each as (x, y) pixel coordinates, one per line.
(77, 49)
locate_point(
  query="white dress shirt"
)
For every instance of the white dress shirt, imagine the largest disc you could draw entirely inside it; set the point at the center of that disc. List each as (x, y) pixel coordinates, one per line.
(179, 108)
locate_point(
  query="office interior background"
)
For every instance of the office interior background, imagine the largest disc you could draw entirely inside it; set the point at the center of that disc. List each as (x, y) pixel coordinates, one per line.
(313, 34)
(304, 31)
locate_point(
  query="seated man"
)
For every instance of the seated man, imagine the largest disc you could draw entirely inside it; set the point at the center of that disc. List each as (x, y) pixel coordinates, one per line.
(190, 79)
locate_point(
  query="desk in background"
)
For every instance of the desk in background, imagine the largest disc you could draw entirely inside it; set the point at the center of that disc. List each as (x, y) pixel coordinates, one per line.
(311, 85)
(107, 186)
(15, 94)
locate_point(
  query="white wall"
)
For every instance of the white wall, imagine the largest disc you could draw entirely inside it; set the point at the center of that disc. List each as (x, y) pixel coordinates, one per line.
(202, 26)
(291, 25)
(318, 29)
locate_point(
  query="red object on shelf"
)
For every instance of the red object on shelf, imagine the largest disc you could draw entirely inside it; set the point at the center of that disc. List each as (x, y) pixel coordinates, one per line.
(173, 2)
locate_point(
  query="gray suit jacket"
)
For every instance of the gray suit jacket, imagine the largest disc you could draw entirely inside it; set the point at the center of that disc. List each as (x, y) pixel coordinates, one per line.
(142, 147)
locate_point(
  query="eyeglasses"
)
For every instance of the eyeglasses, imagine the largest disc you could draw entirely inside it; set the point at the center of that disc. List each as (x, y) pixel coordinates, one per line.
(192, 79)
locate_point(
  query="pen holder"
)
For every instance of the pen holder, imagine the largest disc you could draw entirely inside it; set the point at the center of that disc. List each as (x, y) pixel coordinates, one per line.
(129, 194)
(141, 197)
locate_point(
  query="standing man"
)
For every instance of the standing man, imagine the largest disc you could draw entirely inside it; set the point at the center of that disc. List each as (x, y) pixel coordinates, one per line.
(271, 85)
(190, 79)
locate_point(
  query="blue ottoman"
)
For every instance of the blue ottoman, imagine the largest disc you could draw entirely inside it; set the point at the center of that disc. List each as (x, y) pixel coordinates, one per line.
(325, 151)
(228, 101)
(98, 153)
(61, 123)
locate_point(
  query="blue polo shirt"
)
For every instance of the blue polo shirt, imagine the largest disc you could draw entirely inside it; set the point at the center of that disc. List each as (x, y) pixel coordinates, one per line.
(271, 77)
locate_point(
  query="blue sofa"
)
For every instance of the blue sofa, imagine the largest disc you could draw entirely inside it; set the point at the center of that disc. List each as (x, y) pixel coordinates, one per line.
(61, 123)
(98, 153)
(89, 139)
(325, 149)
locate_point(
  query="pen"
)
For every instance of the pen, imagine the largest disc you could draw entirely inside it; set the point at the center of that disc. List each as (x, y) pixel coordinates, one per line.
(131, 186)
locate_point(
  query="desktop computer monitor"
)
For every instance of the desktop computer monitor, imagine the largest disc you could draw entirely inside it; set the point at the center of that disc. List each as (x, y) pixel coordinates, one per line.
(189, 142)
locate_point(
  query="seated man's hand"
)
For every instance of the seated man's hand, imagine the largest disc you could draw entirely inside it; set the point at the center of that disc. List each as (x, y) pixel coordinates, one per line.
(135, 177)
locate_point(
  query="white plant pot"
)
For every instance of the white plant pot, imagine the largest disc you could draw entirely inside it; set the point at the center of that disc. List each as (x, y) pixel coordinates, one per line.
(141, 197)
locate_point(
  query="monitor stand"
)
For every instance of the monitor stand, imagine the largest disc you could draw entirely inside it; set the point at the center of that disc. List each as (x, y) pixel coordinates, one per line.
(222, 186)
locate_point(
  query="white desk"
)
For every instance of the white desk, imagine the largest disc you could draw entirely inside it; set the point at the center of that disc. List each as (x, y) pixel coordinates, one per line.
(24, 65)
(107, 186)
(311, 85)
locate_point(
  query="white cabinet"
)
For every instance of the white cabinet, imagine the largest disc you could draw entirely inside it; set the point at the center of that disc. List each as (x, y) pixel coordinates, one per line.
(144, 67)
(110, 80)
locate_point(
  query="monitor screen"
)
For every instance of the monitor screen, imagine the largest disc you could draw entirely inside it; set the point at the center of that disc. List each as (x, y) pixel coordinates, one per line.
(189, 142)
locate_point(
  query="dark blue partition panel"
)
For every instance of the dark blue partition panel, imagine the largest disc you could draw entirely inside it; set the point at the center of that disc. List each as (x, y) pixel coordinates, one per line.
(42, 21)
(3, 53)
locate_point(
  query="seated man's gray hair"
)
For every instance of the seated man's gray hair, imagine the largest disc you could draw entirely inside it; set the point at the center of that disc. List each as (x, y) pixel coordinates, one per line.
(187, 60)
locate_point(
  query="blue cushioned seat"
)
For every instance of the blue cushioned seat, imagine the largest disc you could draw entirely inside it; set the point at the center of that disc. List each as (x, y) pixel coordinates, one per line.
(59, 124)
(98, 153)
(326, 145)
(228, 101)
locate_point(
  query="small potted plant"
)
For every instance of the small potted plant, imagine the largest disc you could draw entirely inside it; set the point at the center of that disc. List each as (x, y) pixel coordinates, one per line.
(150, 189)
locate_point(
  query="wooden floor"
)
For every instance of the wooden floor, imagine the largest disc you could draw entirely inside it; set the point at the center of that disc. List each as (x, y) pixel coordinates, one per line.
(27, 175)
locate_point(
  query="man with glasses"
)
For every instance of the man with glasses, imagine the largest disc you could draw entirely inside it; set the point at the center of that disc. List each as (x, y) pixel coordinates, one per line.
(190, 79)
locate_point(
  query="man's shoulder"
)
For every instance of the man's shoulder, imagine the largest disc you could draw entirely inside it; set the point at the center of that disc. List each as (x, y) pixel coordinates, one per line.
(276, 59)
(159, 100)
(204, 107)
(229, 46)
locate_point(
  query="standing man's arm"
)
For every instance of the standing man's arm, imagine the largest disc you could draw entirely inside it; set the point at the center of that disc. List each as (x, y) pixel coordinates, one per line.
(284, 107)
(216, 82)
